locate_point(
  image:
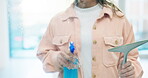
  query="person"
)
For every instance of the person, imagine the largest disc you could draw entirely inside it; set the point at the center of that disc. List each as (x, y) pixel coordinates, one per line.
(94, 26)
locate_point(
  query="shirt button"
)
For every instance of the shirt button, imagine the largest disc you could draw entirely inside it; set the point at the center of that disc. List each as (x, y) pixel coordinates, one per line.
(94, 27)
(93, 76)
(116, 42)
(94, 58)
(94, 42)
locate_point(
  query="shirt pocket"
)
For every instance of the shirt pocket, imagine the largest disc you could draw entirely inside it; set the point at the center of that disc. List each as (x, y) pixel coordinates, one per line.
(61, 41)
(111, 58)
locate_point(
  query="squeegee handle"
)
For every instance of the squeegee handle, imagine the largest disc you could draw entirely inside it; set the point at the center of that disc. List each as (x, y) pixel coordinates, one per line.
(125, 58)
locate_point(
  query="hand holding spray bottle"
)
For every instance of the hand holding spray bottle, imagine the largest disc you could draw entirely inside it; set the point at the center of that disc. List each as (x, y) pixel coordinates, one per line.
(71, 73)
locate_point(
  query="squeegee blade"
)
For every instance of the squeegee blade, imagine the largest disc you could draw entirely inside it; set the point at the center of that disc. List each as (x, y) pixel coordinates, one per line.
(128, 47)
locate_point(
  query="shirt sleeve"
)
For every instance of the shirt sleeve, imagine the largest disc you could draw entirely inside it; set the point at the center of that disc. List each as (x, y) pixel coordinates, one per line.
(47, 52)
(128, 36)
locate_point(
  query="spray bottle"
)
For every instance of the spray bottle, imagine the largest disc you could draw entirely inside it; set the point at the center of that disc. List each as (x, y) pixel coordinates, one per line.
(71, 73)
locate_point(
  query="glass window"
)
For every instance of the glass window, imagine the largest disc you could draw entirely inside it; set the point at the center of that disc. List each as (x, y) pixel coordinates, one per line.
(137, 13)
(28, 20)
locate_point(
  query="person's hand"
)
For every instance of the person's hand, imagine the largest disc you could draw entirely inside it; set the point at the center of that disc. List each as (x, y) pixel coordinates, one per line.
(127, 70)
(64, 59)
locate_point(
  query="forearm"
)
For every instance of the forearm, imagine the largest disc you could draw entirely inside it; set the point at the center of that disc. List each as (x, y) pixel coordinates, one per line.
(49, 60)
(136, 64)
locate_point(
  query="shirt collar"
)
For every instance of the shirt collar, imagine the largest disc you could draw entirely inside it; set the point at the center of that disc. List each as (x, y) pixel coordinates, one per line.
(70, 13)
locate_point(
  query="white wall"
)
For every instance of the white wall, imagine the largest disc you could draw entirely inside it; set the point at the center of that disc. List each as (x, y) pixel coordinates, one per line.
(4, 40)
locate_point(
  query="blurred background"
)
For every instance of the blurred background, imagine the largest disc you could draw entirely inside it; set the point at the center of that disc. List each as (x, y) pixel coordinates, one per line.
(23, 22)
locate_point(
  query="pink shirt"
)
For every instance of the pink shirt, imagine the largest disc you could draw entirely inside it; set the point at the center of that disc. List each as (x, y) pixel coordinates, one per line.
(108, 31)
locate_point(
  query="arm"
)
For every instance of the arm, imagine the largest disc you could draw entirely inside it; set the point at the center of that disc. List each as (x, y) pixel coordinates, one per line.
(133, 55)
(47, 52)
